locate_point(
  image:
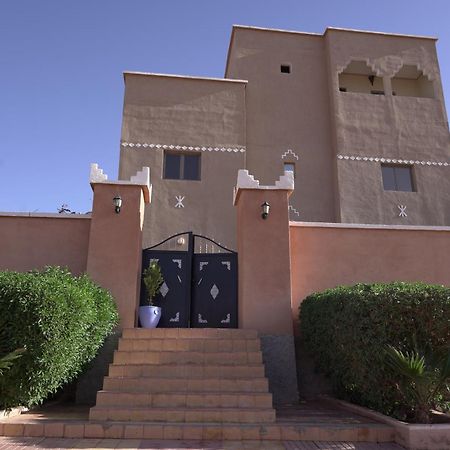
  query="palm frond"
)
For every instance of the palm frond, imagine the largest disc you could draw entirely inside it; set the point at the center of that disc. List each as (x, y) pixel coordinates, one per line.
(7, 360)
(409, 364)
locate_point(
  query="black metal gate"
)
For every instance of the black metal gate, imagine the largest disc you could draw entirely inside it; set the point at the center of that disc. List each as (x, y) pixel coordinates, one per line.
(200, 282)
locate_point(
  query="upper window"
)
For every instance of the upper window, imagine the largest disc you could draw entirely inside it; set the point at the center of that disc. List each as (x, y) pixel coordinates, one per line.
(181, 166)
(359, 77)
(397, 178)
(285, 68)
(289, 167)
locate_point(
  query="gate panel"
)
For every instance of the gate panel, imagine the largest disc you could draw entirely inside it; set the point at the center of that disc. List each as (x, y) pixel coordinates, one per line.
(174, 294)
(214, 291)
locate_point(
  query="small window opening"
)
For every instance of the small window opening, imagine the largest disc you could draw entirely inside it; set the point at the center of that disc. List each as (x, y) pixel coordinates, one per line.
(285, 68)
(397, 178)
(180, 166)
(289, 167)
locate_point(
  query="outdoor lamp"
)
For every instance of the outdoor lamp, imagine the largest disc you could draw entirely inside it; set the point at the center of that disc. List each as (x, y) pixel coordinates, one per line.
(265, 210)
(117, 202)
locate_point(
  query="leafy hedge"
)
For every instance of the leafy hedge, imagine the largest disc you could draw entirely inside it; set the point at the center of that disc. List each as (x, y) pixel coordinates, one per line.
(61, 320)
(347, 330)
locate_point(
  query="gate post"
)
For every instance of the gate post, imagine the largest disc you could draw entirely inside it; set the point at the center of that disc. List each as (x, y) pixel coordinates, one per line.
(264, 277)
(115, 239)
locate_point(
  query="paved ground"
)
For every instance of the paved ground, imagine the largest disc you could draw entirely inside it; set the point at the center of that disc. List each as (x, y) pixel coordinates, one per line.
(106, 444)
(314, 412)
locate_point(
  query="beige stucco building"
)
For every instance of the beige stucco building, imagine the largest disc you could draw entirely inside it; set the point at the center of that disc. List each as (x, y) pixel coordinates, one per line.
(358, 116)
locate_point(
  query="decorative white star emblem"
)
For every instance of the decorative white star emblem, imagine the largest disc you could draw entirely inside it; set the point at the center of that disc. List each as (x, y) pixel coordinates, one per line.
(402, 212)
(179, 200)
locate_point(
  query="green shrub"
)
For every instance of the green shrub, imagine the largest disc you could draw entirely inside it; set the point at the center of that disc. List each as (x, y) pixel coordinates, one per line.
(347, 330)
(61, 321)
(153, 280)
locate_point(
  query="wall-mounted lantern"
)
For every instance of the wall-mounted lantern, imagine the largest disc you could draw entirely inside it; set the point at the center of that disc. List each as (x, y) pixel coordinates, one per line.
(265, 210)
(117, 202)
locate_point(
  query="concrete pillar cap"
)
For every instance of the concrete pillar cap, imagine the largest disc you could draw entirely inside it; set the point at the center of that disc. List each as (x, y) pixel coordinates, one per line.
(142, 179)
(247, 181)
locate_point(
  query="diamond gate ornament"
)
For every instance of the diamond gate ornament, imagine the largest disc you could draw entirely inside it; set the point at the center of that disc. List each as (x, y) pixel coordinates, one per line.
(214, 292)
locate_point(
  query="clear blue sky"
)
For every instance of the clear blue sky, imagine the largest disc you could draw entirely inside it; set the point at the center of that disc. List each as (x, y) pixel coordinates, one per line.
(61, 85)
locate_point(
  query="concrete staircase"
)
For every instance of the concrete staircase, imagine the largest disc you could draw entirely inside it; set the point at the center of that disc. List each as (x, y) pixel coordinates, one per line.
(175, 375)
(200, 384)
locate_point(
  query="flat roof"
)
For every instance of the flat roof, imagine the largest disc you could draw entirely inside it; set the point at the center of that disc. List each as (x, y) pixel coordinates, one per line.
(335, 29)
(185, 77)
(319, 35)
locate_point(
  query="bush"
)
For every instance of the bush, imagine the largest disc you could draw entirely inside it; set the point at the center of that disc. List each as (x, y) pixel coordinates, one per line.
(61, 320)
(347, 330)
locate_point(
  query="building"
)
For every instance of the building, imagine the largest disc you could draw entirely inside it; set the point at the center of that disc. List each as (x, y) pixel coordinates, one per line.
(359, 117)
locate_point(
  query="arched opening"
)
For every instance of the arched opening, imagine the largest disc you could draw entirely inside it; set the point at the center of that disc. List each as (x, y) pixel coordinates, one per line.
(359, 77)
(409, 81)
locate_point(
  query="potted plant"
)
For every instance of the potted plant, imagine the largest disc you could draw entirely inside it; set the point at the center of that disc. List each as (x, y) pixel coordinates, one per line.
(149, 314)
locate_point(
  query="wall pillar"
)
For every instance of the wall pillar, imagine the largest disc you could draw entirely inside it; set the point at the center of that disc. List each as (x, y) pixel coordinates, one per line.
(115, 240)
(264, 277)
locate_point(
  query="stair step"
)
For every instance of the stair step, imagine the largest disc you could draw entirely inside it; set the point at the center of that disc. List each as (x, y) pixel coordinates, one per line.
(201, 376)
(176, 357)
(194, 344)
(190, 371)
(194, 385)
(204, 431)
(202, 415)
(188, 333)
(183, 400)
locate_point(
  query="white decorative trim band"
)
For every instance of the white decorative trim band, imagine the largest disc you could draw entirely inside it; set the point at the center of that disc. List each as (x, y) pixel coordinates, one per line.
(393, 160)
(184, 147)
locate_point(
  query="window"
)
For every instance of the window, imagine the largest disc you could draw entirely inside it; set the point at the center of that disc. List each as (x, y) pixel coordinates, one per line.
(397, 178)
(285, 68)
(289, 167)
(179, 166)
(360, 78)
(409, 81)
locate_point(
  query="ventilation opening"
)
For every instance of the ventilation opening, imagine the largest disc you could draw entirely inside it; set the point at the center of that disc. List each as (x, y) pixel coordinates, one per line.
(409, 81)
(359, 77)
(285, 68)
